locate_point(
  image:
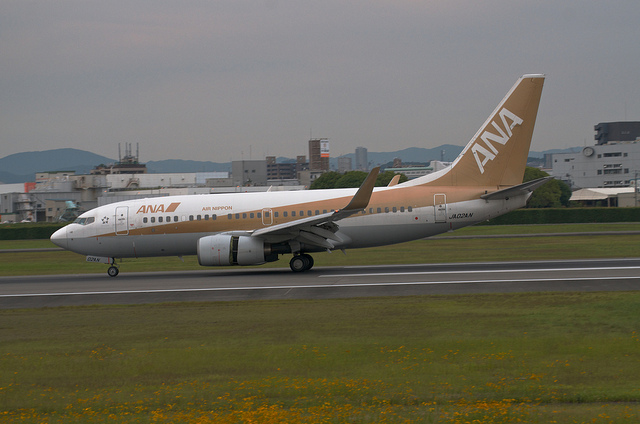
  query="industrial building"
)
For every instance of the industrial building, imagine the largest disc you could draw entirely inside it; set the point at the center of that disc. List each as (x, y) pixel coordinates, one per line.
(613, 162)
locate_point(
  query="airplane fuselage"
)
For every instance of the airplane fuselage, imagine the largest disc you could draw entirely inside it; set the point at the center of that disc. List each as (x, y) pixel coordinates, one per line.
(172, 226)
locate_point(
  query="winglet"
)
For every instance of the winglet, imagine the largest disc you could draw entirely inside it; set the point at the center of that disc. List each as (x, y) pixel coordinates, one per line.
(363, 195)
(394, 181)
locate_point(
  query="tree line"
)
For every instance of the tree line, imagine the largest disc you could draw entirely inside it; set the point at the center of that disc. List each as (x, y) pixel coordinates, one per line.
(553, 194)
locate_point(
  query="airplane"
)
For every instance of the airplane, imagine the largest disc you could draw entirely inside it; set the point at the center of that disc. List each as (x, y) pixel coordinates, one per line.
(483, 182)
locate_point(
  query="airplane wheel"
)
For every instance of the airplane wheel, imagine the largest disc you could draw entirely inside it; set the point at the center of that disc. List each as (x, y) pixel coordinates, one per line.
(113, 271)
(310, 261)
(298, 263)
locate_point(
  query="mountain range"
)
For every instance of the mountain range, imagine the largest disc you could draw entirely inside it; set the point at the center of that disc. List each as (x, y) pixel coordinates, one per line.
(21, 167)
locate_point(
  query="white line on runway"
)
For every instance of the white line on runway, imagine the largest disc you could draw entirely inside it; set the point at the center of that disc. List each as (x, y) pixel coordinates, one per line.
(320, 286)
(382, 274)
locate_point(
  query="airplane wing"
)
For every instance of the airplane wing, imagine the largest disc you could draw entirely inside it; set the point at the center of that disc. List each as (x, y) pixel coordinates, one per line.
(527, 187)
(320, 230)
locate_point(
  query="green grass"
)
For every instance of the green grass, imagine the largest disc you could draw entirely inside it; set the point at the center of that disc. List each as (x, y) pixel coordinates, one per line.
(435, 250)
(560, 357)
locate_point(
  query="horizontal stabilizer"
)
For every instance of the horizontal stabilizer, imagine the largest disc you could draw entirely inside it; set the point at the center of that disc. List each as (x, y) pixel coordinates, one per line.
(517, 190)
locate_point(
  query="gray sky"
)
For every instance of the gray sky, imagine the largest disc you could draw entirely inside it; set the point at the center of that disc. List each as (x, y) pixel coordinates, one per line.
(222, 80)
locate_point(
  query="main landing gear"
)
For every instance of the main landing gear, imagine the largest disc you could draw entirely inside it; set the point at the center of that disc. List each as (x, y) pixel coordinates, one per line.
(300, 263)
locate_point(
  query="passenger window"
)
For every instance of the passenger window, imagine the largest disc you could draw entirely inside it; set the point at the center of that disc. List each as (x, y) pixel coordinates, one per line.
(284, 214)
(293, 213)
(401, 208)
(317, 212)
(251, 215)
(160, 219)
(386, 210)
(190, 217)
(379, 210)
(308, 213)
(409, 208)
(237, 216)
(175, 218)
(276, 214)
(301, 213)
(244, 216)
(144, 220)
(370, 210)
(229, 216)
(259, 215)
(153, 219)
(168, 219)
(266, 214)
(394, 209)
(214, 217)
(206, 217)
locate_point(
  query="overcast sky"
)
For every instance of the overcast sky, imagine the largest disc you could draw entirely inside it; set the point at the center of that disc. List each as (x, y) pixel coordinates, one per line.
(223, 80)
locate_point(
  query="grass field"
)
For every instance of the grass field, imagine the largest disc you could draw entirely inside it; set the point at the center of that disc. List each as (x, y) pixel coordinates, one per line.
(504, 358)
(535, 358)
(440, 249)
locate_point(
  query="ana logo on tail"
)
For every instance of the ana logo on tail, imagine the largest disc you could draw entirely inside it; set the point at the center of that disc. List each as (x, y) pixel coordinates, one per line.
(488, 137)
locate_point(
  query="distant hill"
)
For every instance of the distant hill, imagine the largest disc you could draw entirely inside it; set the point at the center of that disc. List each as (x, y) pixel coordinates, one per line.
(21, 167)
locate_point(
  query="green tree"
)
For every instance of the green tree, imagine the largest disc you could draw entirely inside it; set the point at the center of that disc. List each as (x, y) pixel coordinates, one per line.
(553, 194)
(326, 180)
(385, 178)
(352, 179)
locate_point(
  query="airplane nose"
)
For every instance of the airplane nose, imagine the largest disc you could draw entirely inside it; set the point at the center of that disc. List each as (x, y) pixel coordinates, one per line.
(59, 238)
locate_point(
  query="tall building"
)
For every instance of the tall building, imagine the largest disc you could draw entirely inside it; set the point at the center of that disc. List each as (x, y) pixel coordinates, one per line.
(319, 154)
(362, 163)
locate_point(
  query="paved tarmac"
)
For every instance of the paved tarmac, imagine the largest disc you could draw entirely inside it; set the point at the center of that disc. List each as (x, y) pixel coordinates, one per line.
(320, 283)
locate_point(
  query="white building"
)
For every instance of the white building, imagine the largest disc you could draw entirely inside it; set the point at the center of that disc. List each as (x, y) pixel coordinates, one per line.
(606, 165)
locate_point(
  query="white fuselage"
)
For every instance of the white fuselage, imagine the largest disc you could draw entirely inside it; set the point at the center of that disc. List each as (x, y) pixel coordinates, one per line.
(149, 227)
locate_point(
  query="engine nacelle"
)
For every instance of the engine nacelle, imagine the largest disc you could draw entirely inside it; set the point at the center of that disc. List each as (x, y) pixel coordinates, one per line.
(225, 250)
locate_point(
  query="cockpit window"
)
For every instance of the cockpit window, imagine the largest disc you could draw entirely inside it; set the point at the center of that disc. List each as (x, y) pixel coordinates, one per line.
(84, 221)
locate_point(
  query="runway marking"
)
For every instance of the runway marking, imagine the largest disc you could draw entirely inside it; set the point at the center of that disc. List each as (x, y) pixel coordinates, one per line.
(317, 286)
(382, 274)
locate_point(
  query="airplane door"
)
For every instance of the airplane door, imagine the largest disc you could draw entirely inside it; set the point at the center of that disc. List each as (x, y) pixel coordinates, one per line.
(122, 220)
(440, 207)
(267, 217)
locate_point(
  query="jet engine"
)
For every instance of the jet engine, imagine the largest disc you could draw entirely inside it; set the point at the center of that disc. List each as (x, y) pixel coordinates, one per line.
(225, 250)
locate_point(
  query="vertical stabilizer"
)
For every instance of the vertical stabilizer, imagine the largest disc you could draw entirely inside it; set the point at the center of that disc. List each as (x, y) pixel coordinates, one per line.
(497, 153)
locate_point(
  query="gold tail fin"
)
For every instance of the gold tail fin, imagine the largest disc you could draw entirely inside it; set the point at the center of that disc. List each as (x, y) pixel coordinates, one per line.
(497, 154)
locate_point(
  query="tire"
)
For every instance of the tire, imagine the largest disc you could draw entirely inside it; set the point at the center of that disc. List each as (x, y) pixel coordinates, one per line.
(298, 263)
(113, 271)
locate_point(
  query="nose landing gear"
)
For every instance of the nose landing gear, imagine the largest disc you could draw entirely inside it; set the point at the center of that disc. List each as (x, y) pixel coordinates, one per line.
(113, 269)
(300, 263)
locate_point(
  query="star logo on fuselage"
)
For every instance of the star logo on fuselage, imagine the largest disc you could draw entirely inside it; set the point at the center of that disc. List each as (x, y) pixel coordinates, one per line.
(105, 220)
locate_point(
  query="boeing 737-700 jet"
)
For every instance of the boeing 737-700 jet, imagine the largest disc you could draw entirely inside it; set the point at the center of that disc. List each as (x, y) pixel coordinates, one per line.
(483, 182)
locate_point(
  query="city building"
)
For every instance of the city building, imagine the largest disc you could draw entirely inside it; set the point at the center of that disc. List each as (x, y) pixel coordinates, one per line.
(285, 171)
(606, 165)
(249, 172)
(344, 164)
(362, 163)
(617, 132)
(614, 161)
(319, 154)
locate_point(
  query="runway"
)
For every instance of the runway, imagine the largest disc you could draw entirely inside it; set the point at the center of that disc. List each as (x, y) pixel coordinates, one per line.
(319, 283)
